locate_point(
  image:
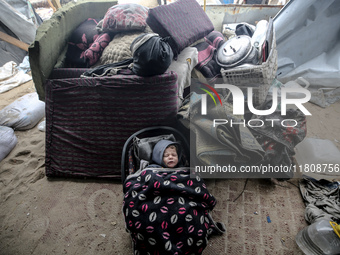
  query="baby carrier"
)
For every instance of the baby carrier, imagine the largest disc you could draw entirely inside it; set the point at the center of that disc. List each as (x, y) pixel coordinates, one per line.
(166, 210)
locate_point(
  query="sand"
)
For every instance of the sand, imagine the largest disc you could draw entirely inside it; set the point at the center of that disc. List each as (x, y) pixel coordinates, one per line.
(74, 216)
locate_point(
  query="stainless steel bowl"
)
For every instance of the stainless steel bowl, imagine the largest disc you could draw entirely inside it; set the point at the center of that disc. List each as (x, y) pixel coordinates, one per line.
(236, 51)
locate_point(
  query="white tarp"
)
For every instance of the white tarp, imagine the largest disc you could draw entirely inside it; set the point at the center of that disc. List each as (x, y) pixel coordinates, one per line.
(11, 76)
(308, 42)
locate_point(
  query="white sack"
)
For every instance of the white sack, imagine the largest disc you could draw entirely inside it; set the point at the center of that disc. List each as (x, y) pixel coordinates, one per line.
(24, 113)
(11, 76)
(8, 140)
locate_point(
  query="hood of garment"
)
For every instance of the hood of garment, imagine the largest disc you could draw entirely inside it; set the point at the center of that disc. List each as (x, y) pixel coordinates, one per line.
(158, 151)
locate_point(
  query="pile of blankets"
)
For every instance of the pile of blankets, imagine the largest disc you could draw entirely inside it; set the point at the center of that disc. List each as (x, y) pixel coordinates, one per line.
(184, 23)
(168, 212)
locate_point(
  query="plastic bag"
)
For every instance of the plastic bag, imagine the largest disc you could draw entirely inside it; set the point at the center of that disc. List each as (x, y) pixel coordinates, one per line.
(24, 113)
(8, 140)
(152, 55)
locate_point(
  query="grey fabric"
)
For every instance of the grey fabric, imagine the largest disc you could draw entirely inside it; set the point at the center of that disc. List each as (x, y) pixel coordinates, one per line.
(8, 140)
(183, 66)
(224, 143)
(18, 20)
(322, 199)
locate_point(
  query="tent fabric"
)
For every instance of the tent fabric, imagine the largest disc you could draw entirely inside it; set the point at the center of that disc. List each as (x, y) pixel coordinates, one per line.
(307, 37)
(19, 20)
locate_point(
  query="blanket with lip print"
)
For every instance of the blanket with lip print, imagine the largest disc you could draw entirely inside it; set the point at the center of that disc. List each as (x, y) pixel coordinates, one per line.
(168, 212)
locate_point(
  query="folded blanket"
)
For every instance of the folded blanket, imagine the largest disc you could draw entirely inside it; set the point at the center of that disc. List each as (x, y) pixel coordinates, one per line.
(207, 50)
(167, 212)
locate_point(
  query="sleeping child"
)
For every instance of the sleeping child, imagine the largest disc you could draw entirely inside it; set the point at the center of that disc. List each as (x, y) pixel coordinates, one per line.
(166, 154)
(166, 210)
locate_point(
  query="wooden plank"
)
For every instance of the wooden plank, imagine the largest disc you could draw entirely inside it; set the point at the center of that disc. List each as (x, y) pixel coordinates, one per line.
(14, 41)
(52, 6)
(56, 4)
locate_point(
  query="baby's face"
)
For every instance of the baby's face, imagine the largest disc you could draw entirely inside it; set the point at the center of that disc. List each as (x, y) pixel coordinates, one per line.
(170, 157)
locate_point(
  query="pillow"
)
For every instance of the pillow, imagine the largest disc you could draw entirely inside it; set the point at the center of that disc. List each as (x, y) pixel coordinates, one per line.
(80, 40)
(184, 21)
(93, 53)
(119, 48)
(125, 17)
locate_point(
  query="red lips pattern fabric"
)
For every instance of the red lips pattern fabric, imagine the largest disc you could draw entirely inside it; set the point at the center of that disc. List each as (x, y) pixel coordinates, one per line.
(167, 212)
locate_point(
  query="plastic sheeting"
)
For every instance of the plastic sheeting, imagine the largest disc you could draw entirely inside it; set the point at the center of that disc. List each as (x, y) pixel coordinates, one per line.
(12, 76)
(308, 45)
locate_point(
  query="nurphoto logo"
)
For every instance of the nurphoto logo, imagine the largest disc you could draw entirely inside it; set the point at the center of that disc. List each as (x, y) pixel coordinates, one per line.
(239, 103)
(238, 100)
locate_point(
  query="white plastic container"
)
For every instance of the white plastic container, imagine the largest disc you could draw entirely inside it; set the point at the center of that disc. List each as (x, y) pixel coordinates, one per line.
(319, 238)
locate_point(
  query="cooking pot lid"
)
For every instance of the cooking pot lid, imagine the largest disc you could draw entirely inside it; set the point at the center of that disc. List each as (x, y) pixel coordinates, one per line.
(234, 51)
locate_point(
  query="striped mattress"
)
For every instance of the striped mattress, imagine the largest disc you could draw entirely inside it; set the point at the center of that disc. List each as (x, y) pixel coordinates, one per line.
(89, 119)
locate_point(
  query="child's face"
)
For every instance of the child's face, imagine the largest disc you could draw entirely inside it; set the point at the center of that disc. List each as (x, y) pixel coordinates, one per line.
(170, 157)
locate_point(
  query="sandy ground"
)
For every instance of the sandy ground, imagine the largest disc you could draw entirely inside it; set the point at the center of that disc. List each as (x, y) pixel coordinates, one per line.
(64, 216)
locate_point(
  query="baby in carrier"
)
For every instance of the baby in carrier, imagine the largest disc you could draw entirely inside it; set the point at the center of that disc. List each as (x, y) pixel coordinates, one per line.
(167, 154)
(166, 210)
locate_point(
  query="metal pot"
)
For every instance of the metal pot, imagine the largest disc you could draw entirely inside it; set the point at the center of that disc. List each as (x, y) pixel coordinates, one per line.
(236, 51)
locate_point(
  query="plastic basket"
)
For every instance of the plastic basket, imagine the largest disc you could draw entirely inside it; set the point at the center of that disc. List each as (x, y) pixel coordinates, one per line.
(259, 77)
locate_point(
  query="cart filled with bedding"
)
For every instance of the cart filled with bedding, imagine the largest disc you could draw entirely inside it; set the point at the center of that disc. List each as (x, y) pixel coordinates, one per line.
(104, 74)
(106, 70)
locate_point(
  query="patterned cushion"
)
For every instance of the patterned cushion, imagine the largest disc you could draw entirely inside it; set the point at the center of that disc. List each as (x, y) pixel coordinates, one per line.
(80, 40)
(124, 17)
(93, 53)
(184, 21)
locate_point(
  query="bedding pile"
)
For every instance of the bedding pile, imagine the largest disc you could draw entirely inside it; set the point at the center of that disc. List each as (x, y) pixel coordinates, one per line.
(182, 25)
(168, 212)
(187, 42)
